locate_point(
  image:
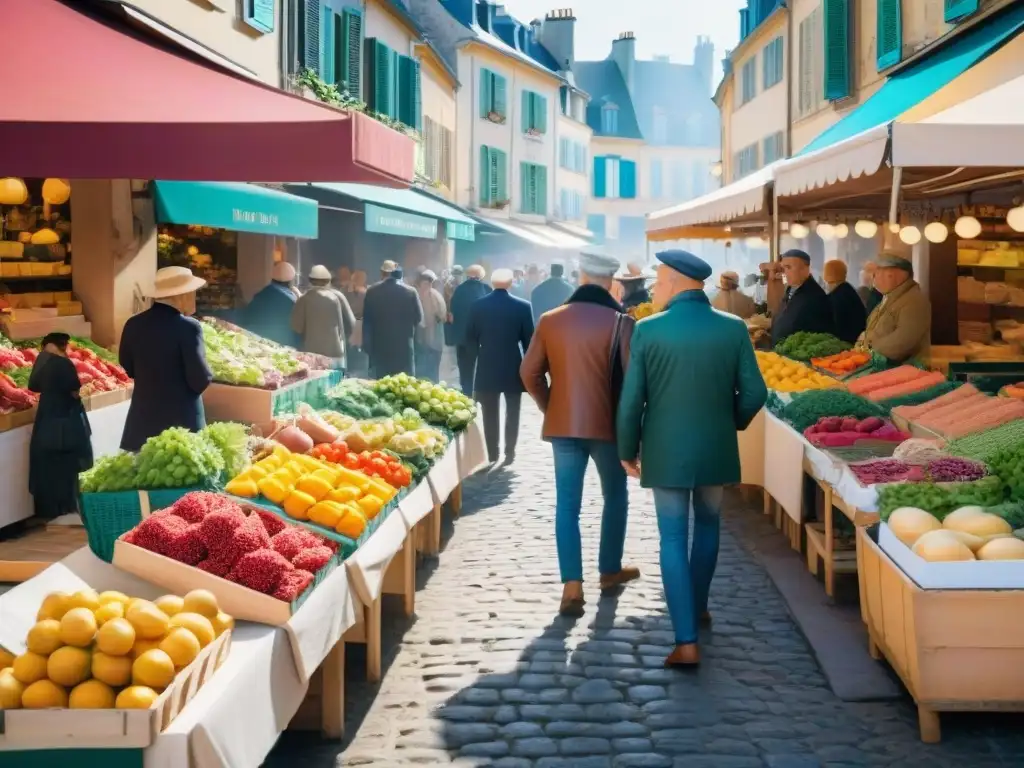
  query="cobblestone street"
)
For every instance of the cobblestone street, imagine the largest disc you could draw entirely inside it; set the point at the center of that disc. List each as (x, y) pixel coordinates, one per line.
(487, 674)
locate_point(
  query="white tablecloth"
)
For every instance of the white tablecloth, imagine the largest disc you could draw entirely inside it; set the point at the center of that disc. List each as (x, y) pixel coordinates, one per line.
(471, 450)
(367, 566)
(444, 476)
(784, 465)
(416, 504)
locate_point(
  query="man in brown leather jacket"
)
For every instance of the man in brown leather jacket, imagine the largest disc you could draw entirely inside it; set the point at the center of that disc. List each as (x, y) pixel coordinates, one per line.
(583, 346)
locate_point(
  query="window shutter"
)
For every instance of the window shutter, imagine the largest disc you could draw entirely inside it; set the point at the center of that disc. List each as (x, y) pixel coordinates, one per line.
(540, 117)
(627, 179)
(656, 179)
(311, 36)
(352, 50)
(500, 166)
(446, 157)
(526, 188)
(957, 9)
(380, 92)
(542, 189)
(600, 175)
(527, 111)
(486, 92)
(327, 49)
(837, 49)
(485, 175)
(409, 111)
(890, 33)
(500, 103)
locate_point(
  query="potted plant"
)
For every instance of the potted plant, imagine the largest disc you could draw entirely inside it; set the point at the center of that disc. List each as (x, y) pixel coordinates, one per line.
(496, 117)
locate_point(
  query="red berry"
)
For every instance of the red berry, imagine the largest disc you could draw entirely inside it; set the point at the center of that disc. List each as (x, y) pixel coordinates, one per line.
(260, 570)
(293, 584)
(312, 560)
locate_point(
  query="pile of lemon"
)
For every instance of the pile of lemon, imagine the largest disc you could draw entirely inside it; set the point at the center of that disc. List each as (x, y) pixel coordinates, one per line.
(785, 375)
(108, 650)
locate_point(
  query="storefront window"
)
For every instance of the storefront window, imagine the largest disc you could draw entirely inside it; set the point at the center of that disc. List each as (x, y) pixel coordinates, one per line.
(211, 254)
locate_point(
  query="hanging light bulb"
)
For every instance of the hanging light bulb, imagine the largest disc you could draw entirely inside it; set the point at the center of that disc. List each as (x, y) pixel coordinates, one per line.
(866, 229)
(967, 227)
(936, 232)
(894, 228)
(754, 242)
(826, 232)
(910, 235)
(842, 230)
(798, 230)
(1015, 218)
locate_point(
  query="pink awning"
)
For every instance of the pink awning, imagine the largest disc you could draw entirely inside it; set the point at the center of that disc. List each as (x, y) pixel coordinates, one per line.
(106, 103)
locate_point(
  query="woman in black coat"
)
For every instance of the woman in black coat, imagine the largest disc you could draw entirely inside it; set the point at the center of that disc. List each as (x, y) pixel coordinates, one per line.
(847, 308)
(61, 444)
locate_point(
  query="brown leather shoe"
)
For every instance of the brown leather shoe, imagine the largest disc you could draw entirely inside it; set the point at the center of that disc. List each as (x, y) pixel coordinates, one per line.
(705, 618)
(684, 656)
(610, 581)
(572, 607)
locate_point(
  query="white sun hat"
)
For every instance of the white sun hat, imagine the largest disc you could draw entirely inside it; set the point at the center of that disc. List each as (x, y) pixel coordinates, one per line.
(319, 272)
(174, 281)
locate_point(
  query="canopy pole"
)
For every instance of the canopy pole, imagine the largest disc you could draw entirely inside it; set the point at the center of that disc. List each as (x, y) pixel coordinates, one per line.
(894, 200)
(773, 243)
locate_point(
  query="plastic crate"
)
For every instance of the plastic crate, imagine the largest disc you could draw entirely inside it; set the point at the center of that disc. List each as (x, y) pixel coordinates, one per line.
(107, 516)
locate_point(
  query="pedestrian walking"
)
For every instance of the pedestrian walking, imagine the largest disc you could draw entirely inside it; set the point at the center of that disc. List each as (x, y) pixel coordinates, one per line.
(269, 314)
(692, 382)
(430, 335)
(323, 318)
(551, 293)
(391, 314)
(634, 287)
(463, 298)
(499, 331)
(583, 346)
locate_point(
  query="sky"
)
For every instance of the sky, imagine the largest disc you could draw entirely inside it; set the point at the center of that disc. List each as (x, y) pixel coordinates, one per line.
(661, 27)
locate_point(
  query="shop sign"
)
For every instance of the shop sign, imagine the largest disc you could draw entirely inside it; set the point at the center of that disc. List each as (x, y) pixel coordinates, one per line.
(259, 14)
(460, 230)
(246, 220)
(387, 221)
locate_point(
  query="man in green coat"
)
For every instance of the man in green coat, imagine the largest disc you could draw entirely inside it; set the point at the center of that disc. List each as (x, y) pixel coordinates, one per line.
(692, 382)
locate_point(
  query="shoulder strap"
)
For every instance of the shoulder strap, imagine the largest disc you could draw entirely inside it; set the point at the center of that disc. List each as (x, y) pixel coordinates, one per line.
(615, 353)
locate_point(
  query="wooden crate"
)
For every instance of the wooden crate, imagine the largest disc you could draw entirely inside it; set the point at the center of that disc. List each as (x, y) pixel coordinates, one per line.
(248, 405)
(23, 729)
(9, 421)
(25, 556)
(954, 650)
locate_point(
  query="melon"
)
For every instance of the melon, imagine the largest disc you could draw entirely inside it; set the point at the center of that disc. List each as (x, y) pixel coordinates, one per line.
(941, 547)
(977, 522)
(908, 524)
(974, 543)
(1002, 549)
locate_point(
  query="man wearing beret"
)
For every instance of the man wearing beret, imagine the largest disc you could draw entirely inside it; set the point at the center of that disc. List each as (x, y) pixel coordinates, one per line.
(692, 382)
(583, 347)
(901, 326)
(806, 306)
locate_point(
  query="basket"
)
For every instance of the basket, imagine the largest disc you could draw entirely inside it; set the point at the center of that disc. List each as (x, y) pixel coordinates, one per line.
(107, 516)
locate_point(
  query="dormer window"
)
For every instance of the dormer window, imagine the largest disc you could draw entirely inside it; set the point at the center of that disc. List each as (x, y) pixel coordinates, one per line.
(483, 15)
(610, 119)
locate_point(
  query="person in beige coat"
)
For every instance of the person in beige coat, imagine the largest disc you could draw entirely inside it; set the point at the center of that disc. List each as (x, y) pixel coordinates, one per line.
(323, 317)
(900, 327)
(731, 299)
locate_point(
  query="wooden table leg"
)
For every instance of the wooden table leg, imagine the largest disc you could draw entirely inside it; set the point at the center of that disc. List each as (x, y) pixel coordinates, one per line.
(829, 557)
(400, 576)
(373, 650)
(928, 720)
(766, 500)
(455, 500)
(332, 693)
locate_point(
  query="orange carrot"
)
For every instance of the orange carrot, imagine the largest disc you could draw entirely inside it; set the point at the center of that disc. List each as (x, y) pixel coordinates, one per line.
(907, 387)
(957, 412)
(911, 412)
(888, 378)
(1009, 410)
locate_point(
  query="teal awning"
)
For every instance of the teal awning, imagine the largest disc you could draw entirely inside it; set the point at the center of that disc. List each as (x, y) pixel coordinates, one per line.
(235, 206)
(404, 211)
(908, 88)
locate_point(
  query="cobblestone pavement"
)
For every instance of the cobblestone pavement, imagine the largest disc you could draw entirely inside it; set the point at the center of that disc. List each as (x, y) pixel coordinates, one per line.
(486, 675)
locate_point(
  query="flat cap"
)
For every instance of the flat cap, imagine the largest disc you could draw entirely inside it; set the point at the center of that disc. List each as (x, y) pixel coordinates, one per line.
(598, 264)
(685, 263)
(888, 260)
(796, 253)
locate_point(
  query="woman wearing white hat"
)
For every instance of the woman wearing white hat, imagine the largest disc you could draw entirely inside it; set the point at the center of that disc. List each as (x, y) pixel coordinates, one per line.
(162, 349)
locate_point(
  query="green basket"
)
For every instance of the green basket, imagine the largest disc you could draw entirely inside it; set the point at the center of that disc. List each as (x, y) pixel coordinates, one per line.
(63, 758)
(107, 516)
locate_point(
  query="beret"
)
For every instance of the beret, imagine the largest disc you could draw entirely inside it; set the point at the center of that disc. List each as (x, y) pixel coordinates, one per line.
(685, 263)
(796, 253)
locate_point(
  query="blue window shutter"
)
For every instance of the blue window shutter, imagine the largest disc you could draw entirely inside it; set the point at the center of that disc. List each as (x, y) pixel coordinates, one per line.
(837, 49)
(311, 35)
(499, 161)
(600, 174)
(526, 109)
(525, 188)
(351, 50)
(409, 110)
(890, 33)
(500, 101)
(957, 9)
(382, 90)
(485, 176)
(540, 184)
(627, 179)
(327, 48)
(486, 92)
(596, 224)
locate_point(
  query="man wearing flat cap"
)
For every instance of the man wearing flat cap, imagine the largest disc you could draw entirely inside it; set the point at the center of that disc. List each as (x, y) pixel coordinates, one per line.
(900, 327)
(583, 346)
(391, 314)
(806, 306)
(692, 382)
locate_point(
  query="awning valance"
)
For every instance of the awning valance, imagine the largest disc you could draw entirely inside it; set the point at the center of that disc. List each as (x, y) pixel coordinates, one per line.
(851, 158)
(113, 104)
(235, 206)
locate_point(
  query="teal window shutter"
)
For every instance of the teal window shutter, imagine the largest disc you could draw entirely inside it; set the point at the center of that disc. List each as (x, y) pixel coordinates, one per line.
(351, 43)
(526, 188)
(957, 9)
(499, 98)
(499, 164)
(311, 35)
(527, 111)
(381, 92)
(410, 110)
(327, 45)
(627, 179)
(540, 184)
(540, 113)
(485, 175)
(890, 33)
(486, 92)
(600, 174)
(837, 49)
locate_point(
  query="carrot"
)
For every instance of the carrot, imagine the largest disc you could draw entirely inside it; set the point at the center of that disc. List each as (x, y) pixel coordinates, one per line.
(1010, 410)
(951, 408)
(911, 412)
(907, 387)
(888, 378)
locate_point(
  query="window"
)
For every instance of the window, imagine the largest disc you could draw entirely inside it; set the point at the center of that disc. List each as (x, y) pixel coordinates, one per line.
(955, 10)
(610, 119)
(773, 149)
(659, 123)
(837, 49)
(614, 177)
(745, 162)
(748, 81)
(341, 48)
(656, 181)
(572, 156)
(679, 191)
(811, 72)
(493, 104)
(535, 113)
(437, 152)
(493, 178)
(308, 37)
(533, 180)
(596, 224)
(773, 66)
(570, 205)
(890, 33)
(410, 108)
(627, 179)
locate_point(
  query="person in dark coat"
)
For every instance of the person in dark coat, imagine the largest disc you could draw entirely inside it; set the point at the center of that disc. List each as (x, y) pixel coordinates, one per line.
(468, 292)
(848, 311)
(269, 314)
(499, 331)
(634, 287)
(391, 314)
(870, 295)
(162, 350)
(806, 306)
(551, 293)
(61, 444)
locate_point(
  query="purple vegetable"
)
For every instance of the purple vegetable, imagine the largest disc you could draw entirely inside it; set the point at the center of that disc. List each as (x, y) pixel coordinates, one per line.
(870, 424)
(831, 424)
(952, 469)
(881, 471)
(849, 424)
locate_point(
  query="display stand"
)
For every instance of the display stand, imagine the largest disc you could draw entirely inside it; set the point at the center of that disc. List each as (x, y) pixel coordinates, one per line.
(249, 405)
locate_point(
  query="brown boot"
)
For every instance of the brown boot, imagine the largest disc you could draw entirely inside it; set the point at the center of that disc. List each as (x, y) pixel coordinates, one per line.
(572, 600)
(684, 656)
(610, 581)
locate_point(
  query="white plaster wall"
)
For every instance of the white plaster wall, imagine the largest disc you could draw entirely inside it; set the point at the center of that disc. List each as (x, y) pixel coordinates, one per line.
(571, 180)
(380, 24)
(767, 113)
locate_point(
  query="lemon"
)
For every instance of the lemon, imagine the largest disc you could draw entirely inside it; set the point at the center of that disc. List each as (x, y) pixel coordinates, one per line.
(136, 697)
(170, 604)
(92, 694)
(85, 598)
(29, 667)
(69, 666)
(116, 637)
(201, 601)
(6, 658)
(44, 637)
(115, 671)
(149, 621)
(44, 694)
(10, 690)
(223, 623)
(78, 627)
(181, 645)
(200, 626)
(141, 646)
(153, 669)
(109, 611)
(54, 606)
(113, 596)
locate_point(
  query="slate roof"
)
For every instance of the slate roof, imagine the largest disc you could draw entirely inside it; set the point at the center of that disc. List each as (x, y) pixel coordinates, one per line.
(676, 89)
(603, 81)
(404, 10)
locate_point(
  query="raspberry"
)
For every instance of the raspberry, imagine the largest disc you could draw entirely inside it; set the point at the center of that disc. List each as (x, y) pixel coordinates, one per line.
(288, 542)
(249, 536)
(156, 533)
(187, 547)
(312, 560)
(191, 507)
(217, 565)
(309, 539)
(271, 522)
(293, 584)
(216, 528)
(260, 570)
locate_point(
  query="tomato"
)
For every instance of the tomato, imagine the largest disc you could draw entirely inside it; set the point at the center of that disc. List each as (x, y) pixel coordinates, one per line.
(340, 448)
(351, 461)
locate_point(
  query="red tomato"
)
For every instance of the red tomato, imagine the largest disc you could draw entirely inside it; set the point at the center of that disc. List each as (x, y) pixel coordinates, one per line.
(351, 461)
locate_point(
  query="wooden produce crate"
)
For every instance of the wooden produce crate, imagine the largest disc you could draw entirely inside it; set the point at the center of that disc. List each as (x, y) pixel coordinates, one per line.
(99, 400)
(954, 650)
(23, 730)
(9, 421)
(249, 405)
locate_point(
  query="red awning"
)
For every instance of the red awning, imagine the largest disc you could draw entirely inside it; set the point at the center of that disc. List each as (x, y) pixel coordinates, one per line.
(107, 104)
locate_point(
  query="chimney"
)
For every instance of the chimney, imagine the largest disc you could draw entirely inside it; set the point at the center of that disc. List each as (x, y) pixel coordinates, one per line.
(624, 55)
(704, 61)
(557, 33)
(460, 10)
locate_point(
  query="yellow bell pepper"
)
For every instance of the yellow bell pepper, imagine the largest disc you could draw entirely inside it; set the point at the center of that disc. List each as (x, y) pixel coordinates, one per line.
(298, 504)
(352, 524)
(269, 464)
(307, 462)
(273, 489)
(345, 493)
(327, 474)
(327, 513)
(315, 486)
(371, 506)
(243, 486)
(382, 490)
(256, 473)
(351, 477)
(281, 452)
(295, 469)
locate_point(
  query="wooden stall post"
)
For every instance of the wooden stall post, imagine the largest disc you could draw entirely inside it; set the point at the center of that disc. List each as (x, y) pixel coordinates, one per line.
(367, 630)
(332, 693)
(400, 576)
(455, 500)
(428, 533)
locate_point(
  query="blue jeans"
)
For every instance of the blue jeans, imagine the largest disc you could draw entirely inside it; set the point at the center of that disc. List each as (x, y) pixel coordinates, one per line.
(571, 458)
(686, 573)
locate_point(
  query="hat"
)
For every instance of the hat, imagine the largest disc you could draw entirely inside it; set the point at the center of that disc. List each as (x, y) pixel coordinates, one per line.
(319, 272)
(283, 272)
(388, 266)
(598, 264)
(889, 260)
(685, 263)
(427, 274)
(631, 273)
(834, 271)
(457, 269)
(174, 281)
(796, 253)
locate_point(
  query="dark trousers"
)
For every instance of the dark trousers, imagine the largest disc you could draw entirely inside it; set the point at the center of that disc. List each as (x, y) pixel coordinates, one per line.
(465, 358)
(489, 404)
